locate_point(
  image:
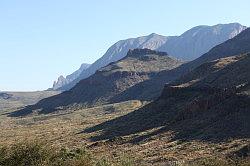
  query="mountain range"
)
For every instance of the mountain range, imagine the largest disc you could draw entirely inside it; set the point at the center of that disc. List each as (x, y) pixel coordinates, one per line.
(140, 75)
(139, 65)
(188, 46)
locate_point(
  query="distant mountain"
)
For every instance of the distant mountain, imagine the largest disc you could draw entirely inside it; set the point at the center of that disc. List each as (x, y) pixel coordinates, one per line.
(139, 65)
(119, 51)
(188, 46)
(199, 40)
(61, 81)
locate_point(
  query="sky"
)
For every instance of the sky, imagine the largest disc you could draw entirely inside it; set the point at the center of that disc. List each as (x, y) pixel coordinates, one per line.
(41, 40)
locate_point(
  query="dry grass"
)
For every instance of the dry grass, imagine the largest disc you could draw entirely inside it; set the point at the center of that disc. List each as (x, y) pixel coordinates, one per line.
(65, 130)
(38, 154)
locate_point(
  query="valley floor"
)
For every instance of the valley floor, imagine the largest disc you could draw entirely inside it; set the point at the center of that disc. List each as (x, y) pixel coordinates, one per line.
(67, 129)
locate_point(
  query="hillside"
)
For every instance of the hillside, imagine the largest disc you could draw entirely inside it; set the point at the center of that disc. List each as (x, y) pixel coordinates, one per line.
(208, 105)
(108, 82)
(188, 46)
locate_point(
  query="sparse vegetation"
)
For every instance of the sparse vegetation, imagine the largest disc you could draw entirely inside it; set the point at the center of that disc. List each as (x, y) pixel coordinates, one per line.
(38, 154)
(219, 162)
(66, 129)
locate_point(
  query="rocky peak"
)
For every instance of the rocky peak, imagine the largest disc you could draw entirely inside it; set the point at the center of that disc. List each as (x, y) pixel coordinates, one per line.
(60, 81)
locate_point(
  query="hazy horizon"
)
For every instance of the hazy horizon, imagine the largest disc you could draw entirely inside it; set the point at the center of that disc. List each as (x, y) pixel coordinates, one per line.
(42, 40)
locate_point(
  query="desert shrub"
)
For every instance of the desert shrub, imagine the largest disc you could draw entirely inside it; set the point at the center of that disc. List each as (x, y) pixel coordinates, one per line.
(75, 157)
(38, 154)
(32, 154)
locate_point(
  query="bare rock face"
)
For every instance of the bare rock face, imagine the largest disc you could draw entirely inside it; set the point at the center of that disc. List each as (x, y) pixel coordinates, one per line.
(141, 52)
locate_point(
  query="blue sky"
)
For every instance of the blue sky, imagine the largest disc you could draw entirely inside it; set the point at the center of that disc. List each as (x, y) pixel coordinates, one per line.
(40, 40)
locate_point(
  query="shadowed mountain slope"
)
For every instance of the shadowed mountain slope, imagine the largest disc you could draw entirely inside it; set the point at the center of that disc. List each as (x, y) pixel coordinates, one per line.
(211, 103)
(139, 65)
